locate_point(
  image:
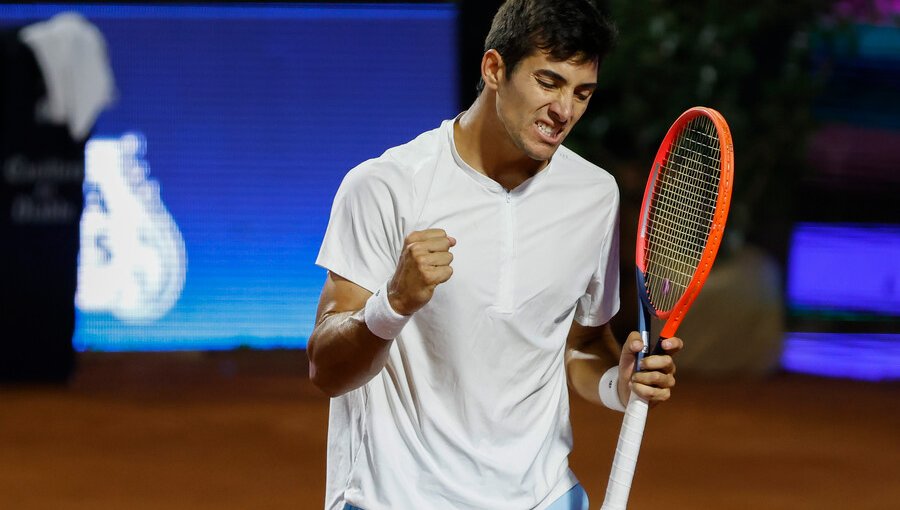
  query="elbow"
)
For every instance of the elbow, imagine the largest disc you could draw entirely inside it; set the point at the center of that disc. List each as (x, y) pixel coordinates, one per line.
(335, 381)
(322, 376)
(324, 385)
(317, 376)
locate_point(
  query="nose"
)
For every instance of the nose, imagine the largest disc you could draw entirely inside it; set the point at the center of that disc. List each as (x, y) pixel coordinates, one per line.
(562, 108)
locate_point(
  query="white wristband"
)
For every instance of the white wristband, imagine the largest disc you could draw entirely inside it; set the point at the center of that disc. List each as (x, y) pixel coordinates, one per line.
(609, 390)
(380, 318)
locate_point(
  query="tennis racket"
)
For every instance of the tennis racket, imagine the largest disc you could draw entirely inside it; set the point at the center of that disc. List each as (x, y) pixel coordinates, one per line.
(680, 228)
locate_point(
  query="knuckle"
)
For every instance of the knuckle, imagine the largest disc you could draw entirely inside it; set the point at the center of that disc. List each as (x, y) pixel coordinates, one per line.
(442, 275)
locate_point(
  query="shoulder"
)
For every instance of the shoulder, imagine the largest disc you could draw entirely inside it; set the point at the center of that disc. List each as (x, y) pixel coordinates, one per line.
(577, 171)
(395, 170)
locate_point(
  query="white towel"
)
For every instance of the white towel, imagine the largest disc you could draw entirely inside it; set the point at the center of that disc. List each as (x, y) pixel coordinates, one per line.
(71, 53)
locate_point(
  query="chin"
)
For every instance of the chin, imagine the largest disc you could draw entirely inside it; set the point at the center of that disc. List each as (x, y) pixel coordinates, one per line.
(542, 153)
(535, 148)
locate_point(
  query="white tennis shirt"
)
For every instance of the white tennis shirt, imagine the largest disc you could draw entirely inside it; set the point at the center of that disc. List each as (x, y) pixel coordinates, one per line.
(471, 410)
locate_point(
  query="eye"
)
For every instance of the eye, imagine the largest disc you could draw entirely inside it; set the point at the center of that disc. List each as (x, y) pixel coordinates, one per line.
(546, 84)
(584, 95)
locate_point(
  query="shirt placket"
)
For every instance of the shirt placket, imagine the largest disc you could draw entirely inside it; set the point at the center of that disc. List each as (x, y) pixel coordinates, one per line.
(505, 303)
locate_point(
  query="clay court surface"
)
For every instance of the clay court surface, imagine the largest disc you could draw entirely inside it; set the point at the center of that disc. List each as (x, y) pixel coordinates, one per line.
(246, 430)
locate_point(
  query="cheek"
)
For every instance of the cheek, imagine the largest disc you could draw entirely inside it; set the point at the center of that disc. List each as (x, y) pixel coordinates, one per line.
(517, 117)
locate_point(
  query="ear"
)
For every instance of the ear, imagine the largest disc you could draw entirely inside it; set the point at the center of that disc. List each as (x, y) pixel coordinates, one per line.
(492, 69)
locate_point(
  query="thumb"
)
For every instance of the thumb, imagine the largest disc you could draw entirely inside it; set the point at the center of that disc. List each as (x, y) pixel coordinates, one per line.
(630, 349)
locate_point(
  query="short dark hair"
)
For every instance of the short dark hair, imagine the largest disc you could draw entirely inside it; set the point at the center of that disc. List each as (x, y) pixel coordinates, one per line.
(563, 28)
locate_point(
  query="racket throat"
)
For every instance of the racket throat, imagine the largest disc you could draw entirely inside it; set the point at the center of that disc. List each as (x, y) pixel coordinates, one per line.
(644, 320)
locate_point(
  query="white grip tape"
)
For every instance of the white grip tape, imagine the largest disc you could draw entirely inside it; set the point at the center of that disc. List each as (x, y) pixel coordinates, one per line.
(627, 450)
(380, 317)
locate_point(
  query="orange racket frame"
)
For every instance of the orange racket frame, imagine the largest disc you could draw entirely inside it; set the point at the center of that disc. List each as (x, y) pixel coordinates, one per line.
(676, 314)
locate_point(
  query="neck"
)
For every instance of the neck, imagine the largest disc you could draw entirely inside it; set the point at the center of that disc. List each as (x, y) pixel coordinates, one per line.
(484, 144)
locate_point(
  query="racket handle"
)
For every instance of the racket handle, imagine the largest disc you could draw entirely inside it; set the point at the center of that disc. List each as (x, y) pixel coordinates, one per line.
(627, 449)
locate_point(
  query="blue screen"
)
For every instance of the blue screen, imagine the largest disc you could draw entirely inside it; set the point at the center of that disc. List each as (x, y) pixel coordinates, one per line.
(845, 267)
(865, 356)
(209, 182)
(844, 271)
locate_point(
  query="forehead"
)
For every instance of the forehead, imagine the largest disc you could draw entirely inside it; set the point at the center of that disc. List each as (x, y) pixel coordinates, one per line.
(576, 69)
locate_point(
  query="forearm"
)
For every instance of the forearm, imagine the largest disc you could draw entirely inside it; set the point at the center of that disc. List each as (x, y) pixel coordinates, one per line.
(344, 354)
(590, 352)
(584, 373)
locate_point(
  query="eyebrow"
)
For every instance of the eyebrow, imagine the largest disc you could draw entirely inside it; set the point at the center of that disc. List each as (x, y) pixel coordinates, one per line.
(553, 75)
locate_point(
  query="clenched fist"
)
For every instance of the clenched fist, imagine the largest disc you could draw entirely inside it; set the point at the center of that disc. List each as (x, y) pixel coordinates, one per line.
(424, 264)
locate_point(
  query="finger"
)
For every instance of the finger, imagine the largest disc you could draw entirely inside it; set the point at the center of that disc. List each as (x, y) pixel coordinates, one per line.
(430, 259)
(438, 275)
(436, 244)
(660, 363)
(425, 246)
(633, 343)
(630, 348)
(424, 235)
(654, 379)
(672, 345)
(651, 394)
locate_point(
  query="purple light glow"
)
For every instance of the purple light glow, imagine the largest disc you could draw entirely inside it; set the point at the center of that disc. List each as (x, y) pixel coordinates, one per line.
(853, 155)
(868, 10)
(868, 357)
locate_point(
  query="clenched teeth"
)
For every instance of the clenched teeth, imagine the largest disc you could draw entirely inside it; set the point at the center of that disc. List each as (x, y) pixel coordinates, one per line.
(547, 130)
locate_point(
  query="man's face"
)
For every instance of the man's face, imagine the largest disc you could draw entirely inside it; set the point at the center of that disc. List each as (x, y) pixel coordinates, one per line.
(542, 100)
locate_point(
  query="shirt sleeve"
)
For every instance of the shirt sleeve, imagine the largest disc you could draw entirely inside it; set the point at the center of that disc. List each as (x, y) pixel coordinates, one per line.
(600, 301)
(365, 231)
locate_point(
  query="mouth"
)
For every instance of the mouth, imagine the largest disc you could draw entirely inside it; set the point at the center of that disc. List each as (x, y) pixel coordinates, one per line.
(548, 132)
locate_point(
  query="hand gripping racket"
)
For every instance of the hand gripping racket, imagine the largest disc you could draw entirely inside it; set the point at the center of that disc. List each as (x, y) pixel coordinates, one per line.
(679, 231)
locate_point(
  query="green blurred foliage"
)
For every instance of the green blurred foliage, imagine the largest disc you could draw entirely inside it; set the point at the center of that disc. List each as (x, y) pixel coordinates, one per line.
(749, 60)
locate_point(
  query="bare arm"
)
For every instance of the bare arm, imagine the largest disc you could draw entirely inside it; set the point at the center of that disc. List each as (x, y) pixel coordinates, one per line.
(343, 353)
(591, 351)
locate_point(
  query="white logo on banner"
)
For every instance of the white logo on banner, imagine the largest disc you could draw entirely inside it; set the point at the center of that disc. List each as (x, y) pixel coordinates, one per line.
(132, 261)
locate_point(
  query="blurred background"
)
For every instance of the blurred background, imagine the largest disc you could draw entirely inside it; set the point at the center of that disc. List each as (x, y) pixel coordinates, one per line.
(167, 176)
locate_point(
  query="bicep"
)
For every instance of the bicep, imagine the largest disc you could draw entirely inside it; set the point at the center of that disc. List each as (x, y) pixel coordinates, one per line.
(596, 341)
(340, 295)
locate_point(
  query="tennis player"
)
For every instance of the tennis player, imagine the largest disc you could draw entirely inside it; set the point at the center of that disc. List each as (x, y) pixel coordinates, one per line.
(470, 272)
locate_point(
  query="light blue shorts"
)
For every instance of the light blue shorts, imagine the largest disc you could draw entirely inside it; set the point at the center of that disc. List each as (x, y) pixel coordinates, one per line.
(575, 499)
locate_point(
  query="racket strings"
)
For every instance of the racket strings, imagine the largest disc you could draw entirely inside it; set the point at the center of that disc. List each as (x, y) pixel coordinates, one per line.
(681, 211)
